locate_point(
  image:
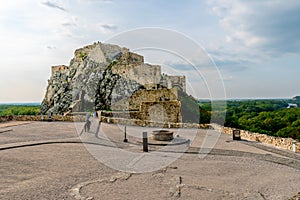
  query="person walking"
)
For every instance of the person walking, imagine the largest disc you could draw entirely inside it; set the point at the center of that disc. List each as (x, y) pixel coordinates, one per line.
(87, 124)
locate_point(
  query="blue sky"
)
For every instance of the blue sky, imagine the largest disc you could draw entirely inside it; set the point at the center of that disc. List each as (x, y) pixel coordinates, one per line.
(255, 44)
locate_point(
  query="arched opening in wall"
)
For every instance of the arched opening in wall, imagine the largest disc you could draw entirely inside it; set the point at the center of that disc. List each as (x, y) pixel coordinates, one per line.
(178, 87)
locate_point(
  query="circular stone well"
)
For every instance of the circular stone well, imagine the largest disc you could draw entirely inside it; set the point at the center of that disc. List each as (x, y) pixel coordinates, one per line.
(162, 135)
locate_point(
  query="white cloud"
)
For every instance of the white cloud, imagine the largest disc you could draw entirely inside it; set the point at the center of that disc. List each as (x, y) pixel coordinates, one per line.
(51, 47)
(255, 32)
(107, 27)
(54, 5)
(265, 25)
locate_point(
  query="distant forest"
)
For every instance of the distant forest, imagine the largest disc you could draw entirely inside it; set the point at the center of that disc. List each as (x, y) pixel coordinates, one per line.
(271, 117)
(19, 109)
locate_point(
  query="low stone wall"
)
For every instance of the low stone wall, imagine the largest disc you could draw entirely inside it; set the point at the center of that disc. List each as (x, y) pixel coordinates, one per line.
(42, 118)
(106, 119)
(284, 143)
(6, 118)
(121, 114)
(138, 122)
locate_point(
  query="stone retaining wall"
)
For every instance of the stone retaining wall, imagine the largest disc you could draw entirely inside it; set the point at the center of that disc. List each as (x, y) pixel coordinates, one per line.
(41, 118)
(105, 119)
(137, 122)
(284, 143)
(121, 114)
(6, 118)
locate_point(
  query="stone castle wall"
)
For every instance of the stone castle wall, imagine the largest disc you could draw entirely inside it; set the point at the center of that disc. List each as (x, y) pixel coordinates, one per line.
(128, 58)
(151, 105)
(144, 74)
(134, 102)
(131, 66)
(173, 82)
(161, 111)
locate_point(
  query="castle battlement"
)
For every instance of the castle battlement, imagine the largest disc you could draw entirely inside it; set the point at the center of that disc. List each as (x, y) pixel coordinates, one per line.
(173, 82)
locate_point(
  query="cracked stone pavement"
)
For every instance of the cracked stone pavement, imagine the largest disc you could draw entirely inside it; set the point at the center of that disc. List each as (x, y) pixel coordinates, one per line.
(47, 160)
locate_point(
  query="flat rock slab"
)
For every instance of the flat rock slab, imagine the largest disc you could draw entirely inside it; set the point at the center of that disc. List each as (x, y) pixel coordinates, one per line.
(12, 123)
(62, 168)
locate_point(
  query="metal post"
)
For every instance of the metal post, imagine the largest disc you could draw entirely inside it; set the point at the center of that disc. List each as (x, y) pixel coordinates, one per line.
(125, 135)
(145, 142)
(179, 187)
(236, 134)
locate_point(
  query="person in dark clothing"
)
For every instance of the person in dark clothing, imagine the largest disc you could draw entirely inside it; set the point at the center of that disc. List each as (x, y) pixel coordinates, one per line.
(87, 124)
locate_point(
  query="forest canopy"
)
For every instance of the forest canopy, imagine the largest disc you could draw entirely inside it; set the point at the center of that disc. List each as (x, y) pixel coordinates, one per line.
(271, 117)
(10, 110)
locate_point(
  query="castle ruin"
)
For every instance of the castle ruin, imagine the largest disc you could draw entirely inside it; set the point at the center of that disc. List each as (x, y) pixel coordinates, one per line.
(110, 77)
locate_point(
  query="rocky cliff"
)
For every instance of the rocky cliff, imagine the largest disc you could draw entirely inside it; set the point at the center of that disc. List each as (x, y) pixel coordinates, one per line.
(87, 79)
(100, 75)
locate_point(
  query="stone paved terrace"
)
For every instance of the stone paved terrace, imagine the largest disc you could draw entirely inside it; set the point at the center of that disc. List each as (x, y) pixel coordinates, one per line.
(49, 160)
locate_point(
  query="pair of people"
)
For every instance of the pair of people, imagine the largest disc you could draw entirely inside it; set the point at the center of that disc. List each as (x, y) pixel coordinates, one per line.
(88, 123)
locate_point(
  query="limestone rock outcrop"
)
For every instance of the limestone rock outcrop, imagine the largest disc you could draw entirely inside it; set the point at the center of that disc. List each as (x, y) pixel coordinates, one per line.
(103, 75)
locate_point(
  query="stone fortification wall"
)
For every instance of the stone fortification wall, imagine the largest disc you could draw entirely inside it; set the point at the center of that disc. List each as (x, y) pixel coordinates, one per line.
(134, 102)
(161, 111)
(120, 114)
(151, 105)
(145, 74)
(284, 143)
(138, 122)
(128, 58)
(150, 111)
(173, 82)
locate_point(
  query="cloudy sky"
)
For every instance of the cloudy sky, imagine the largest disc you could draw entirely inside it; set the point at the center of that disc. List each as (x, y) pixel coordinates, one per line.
(254, 44)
